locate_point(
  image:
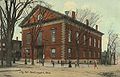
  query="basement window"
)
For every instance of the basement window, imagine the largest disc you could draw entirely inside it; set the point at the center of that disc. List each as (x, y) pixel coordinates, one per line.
(53, 52)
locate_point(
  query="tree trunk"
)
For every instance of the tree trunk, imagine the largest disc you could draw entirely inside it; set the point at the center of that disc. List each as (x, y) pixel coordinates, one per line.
(2, 58)
(32, 48)
(78, 54)
(114, 58)
(9, 50)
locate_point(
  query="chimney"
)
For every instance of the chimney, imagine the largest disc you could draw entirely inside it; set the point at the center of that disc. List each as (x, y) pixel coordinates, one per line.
(87, 22)
(96, 27)
(16, 38)
(67, 13)
(73, 15)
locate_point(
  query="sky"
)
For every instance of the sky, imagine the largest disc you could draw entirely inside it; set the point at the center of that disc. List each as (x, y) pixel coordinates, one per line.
(109, 11)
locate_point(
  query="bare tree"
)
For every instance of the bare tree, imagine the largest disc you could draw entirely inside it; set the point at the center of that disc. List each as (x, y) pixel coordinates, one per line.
(79, 40)
(112, 46)
(92, 17)
(11, 13)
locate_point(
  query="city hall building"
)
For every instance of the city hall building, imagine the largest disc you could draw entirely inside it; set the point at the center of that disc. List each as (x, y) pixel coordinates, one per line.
(60, 37)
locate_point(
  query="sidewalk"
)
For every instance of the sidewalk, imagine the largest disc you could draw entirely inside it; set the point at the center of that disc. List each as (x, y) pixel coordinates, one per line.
(19, 69)
(9, 69)
(46, 64)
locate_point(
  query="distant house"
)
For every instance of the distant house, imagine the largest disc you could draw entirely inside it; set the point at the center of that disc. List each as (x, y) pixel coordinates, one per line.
(16, 48)
(56, 38)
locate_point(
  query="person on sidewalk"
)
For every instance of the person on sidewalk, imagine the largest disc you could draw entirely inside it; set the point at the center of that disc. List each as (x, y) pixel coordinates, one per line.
(62, 63)
(42, 62)
(53, 63)
(75, 64)
(95, 64)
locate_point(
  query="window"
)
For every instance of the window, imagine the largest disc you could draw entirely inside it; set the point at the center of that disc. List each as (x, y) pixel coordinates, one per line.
(94, 42)
(84, 40)
(39, 17)
(40, 38)
(27, 52)
(69, 36)
(77, 37)
(28, 38)
(3, 49)
(86, 54)
(89, 54)
(53, 32)
(53, 52)
(94, 54)
(0, 35)
(98, 54)
(69, 52)
(90, 41)
(98, 43)
(83, 54)
(3, 44)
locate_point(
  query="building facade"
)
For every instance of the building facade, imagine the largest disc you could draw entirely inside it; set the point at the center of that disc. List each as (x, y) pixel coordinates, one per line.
(60, 37)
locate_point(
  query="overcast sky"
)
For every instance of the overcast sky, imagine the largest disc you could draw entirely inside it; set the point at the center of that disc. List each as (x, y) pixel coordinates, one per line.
(108, 9)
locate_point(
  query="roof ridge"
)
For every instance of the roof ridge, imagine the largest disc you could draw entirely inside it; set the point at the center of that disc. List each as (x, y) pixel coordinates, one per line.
(62, 16)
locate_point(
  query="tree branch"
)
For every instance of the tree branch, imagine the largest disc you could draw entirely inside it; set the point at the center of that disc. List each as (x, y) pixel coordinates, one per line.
(21, 10)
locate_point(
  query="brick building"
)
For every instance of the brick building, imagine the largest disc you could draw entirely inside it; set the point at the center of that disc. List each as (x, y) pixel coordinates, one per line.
(61, 37)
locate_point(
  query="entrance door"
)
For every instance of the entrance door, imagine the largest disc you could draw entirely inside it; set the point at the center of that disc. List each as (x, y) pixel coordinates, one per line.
(40, 53)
